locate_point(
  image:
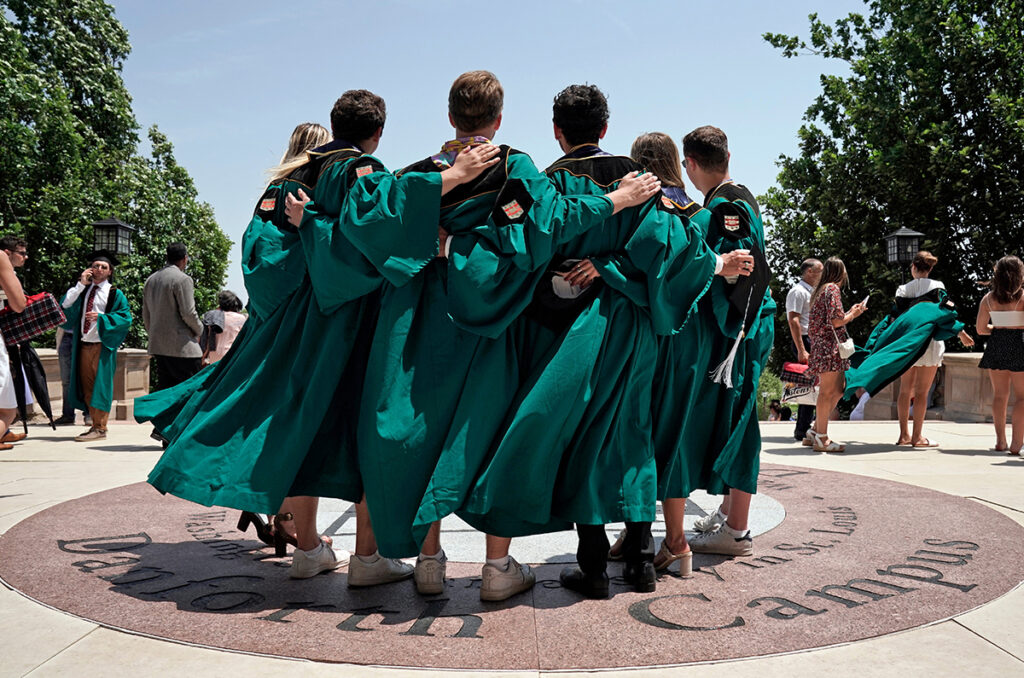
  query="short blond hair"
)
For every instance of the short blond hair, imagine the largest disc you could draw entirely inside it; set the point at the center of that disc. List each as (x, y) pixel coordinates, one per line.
(475, 99)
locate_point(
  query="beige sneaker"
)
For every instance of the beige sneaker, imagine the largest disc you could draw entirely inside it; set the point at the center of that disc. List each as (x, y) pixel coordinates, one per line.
(306, 564)
(502, 584)
(90, 435)
(722, 542)
(429, 575)
(379, 571)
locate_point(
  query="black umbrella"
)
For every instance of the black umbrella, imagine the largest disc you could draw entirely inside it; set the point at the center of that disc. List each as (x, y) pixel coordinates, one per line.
(24, 357)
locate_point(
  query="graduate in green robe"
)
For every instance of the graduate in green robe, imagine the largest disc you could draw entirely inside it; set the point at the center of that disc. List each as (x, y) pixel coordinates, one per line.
(278, 419)
(706, 433)
(442, 372)
(101, 317)
(576, 446)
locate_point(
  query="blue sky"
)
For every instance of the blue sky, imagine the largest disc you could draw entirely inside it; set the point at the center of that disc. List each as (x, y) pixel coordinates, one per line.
(228, 80)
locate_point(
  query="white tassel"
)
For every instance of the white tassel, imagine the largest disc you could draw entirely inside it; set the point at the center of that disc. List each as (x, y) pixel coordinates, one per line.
(723, 373)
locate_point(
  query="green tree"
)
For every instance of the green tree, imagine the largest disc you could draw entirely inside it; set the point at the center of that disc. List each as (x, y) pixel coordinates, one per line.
(925, 131)
(68, 155)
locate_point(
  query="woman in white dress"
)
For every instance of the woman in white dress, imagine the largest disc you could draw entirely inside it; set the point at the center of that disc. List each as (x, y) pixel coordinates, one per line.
(917, 381)
(11, 286)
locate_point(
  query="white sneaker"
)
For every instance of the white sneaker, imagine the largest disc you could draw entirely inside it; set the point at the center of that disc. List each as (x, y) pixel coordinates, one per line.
(429, 575)
(306, 564)
(380, 571)
(722, 542)
(709, 523)
(502, 584)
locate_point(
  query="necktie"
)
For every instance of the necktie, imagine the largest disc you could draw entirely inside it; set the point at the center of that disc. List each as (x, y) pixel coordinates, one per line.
(86, 324)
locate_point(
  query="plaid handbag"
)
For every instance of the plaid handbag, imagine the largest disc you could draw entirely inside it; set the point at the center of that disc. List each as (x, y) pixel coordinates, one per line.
(796, 374)
(42, 313)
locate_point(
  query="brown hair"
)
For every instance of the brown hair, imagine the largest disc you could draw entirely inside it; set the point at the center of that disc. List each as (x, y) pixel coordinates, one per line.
(475, 99)
(1008, 280)
(357, 115)
(305, 137)
(832, 271)
(709, 147)
(656, 152)
(925, 261)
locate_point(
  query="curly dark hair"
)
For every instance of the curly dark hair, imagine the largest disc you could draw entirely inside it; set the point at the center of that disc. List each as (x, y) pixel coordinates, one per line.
(357, 115)
(581, 112)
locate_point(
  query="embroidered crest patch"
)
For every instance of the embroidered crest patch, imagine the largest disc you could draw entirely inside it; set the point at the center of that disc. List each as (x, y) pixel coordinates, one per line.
(512, 210)
(666, 202)
(268, 205)
(731, 222)
(364, 170)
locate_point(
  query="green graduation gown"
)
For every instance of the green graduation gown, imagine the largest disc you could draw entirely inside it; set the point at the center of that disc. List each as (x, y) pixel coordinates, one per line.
(443, 371)
(277, 418)
(576, 446)
(706, 436)
(113, 325)
(899, 339)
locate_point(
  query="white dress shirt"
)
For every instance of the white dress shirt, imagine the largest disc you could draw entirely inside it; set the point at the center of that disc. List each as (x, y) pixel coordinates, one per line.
(99, 304)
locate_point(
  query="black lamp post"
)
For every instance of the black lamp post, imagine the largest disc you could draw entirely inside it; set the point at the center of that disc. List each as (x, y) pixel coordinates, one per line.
(902, 245)
(113, 235)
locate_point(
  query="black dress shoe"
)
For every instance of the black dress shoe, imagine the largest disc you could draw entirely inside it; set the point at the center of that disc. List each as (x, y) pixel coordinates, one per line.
(641, 576)
(64, 421)
(589, 585)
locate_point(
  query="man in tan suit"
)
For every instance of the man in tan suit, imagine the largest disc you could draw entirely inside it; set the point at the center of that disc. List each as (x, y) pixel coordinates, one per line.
(169, 314)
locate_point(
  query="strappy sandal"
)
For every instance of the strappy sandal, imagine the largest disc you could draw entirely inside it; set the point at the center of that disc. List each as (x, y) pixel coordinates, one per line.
(263, 531)
(831, 446)
(664, 559)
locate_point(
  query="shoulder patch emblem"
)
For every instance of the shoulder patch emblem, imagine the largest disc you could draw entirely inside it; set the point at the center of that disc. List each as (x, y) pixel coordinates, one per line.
(364, 170)
(666, 202)
(512, 210)
(268, 205)
(731, 222)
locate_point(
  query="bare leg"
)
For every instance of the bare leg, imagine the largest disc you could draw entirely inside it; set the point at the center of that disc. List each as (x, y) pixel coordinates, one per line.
(6, 417)
(674, 511)
(304, 510)
(1018, 412)
(432, 542)
(922, 383)
(740, 501)
(497, 547)
(726, 505)
(831, 390)
(903, 405)
(1000, 396)
(366, 542)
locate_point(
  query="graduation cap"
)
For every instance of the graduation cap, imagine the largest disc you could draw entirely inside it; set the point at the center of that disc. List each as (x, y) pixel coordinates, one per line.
(105, 255)
(745, 298)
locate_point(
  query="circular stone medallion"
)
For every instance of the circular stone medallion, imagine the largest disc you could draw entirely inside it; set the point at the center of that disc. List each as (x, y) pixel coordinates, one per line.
(854, 558)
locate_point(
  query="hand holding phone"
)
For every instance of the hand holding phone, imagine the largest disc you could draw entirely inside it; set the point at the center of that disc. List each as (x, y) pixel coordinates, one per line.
(865, 302)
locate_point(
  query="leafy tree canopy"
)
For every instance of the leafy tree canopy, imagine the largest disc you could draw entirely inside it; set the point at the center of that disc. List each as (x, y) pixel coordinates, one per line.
(926, 131)
(68, 156)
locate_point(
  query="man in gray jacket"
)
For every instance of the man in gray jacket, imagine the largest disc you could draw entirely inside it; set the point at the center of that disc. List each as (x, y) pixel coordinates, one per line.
(169, 314)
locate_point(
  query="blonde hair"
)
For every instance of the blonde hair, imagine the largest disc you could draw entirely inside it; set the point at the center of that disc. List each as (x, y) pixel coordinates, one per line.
(656, 152)
(475, 99)
(305, 137)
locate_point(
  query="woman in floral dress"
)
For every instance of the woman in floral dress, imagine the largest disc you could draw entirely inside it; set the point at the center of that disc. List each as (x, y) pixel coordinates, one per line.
(827, 327)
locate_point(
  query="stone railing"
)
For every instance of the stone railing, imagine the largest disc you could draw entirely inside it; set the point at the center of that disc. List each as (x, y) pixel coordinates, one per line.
(965, 392)
(131, 379)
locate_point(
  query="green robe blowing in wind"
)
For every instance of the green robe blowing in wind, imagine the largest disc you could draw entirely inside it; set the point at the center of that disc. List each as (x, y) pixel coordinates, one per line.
(900, 339)
(576, 446)
(276, 416)
(443, 369)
